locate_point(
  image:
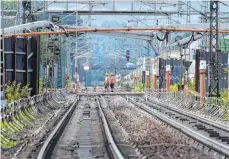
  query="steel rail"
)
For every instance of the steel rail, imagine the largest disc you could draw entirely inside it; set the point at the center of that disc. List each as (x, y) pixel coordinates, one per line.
(221, 148)
(53, 136)
(109, 93)
(193, 116)
(170, 29)
(113, 147)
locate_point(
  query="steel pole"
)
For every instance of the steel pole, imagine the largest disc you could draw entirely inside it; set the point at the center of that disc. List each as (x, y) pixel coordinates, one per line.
(2, 56)
(168, 69)
(181, 68)
(76, 42)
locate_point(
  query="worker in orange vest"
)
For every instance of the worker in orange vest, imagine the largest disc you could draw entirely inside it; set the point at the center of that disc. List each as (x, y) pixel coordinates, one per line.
(106, 82)
(112, 82)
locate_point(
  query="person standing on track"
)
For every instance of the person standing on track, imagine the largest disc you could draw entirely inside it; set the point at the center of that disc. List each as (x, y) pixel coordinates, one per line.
(112, 82)
(106, 82)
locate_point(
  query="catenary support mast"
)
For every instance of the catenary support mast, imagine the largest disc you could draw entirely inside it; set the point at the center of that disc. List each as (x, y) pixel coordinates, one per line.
(214, 65)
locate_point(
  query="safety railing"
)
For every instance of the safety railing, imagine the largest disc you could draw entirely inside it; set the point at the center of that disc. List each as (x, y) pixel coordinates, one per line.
(208, 107)
(19, 114)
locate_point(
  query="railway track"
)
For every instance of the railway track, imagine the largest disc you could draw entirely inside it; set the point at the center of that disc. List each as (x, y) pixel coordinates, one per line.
(153, 138)
(85, 131)
(109, 126)
(209, 133)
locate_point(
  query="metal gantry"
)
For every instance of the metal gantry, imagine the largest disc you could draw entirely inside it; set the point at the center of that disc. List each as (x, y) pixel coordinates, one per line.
(59, 72)
(214, 65)
(27, 12)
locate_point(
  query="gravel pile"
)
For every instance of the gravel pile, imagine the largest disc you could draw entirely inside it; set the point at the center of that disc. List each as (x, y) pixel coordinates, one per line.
(154, 139)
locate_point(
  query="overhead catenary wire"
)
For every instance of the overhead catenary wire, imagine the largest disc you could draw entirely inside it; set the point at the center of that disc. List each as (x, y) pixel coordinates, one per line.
(194, 9)
(45, 6)
(70, 14)
(140, 21)
(161, 12)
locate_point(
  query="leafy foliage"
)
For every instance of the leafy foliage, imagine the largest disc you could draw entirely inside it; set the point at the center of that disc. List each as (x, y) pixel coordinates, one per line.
(44, 51)
(25, 91)
(70, 86)
(10, 91)
(225, 70)
(224, 94)
(174, 87)
(15, 91)
(192, 84)
(139, 87)
(41, 84)
(9, 4)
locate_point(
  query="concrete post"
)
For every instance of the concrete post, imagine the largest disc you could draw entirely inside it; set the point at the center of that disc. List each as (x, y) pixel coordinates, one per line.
(202, 77)
(154, 79)
(147, 79)
(167, 77)
(228, 91)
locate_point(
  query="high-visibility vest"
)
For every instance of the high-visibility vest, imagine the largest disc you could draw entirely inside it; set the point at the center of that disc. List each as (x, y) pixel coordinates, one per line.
(106, 81)
(112, 80)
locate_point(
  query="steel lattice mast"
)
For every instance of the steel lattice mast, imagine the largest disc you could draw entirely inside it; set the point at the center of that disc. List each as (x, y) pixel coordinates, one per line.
(27, 12)
(214, 65)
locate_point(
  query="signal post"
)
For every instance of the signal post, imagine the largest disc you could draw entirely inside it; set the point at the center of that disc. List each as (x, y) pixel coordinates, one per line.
(167, 77)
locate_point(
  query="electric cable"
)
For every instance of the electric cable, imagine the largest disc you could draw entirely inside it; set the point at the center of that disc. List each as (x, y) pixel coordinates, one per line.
(158, 38)
(197, 34)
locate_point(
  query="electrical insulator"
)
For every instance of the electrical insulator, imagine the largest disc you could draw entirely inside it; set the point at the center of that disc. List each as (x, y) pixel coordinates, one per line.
(50, 71)
(57, 51)
(55, 18)
(127, 55)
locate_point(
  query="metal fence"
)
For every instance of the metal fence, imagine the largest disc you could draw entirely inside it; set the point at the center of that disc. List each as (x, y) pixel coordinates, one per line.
(208, 107)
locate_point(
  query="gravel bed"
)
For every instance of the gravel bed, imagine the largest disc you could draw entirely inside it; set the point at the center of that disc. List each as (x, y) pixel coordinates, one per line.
(82, 137)
(121, 137)
(153, 138)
